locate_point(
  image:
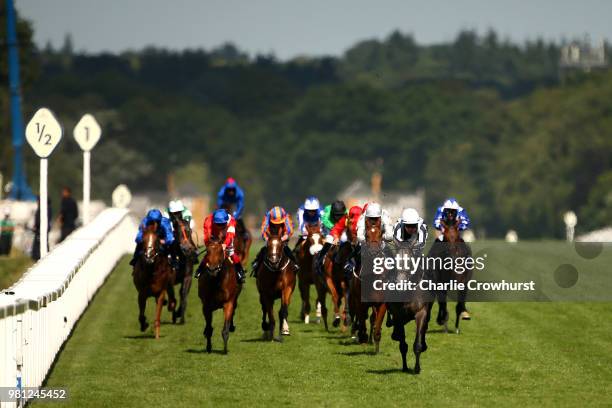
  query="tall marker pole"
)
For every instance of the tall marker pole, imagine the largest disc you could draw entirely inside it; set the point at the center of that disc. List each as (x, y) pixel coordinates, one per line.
(87, 133)
(43, 133)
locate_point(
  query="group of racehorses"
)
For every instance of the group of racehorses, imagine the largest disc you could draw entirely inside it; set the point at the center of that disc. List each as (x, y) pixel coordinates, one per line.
(219, 288)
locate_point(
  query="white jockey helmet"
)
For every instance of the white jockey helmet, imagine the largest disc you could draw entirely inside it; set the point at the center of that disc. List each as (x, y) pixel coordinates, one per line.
(311, 203)
(451, 204)
(374, 210)
(411, 216)
(6, 211)
(176, 206)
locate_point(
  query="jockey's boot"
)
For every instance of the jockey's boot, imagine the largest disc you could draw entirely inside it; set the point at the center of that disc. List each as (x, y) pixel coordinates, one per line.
(257, 261)
(198, 271)
(349, 269)
(135, 256)
(321, 257)
(240, 273)
(292, 257)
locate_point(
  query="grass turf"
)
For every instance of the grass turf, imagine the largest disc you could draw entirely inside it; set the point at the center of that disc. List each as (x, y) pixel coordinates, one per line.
(12, 267)
(528, 354)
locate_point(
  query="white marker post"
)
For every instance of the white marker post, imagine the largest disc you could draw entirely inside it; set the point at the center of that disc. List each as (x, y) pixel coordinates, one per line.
(570, 220)
(87, 133)
(43, 134)
(121, 196)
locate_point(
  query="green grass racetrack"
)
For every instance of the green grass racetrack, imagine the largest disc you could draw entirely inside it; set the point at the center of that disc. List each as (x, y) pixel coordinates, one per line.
(526, 354)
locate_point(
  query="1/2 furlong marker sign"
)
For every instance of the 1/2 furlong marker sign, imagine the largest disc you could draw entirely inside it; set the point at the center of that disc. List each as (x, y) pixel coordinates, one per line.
(87, 133)
(43, 134)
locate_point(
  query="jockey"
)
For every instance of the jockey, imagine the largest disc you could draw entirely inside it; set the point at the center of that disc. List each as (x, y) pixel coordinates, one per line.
(331, 214)
(231, 195)
(164, 231)
(373, 211)
(411, 228)
(309, 213)
(449, 212)
(222, 226)
(338, 231)
(279, 222)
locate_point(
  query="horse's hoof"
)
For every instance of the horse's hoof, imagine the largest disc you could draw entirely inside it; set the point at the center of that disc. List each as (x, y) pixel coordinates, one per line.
(405, 369)
(336, 321)
(278, 339)
(417, 370)
(232, 328)
(306, 319)
(457, 331)
(182, 320)
(285, 333)
(144, 326)
(209, 349)
(445, 328)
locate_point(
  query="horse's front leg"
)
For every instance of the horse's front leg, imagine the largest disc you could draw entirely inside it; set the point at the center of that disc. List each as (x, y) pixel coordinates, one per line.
(283, 313)
(228, 314)
(442, 318)
(335, 298)
(381, 310)
(208, 329)
(185, 288)
(403, 346)
(142, 304)
(160, 305)
(419, 339)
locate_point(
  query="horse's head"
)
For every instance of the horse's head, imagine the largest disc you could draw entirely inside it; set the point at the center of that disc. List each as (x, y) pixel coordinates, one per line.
(184, 238)
(451, 231)
(151, 243)
(373, 230)
(274, 251)
(214, 258)
(314, 240)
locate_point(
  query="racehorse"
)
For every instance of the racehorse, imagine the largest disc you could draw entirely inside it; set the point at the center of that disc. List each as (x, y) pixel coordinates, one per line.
(452, 246)
(275, 280)
(335, 281)
(185, 250)
(417, 308)
(152, 274)
(218, 288)
(373, 246)
(242, 240)
(306, 255)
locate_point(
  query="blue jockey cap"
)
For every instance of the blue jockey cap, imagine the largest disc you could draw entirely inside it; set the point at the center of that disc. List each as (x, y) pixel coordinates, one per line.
(220, 216)
(154, 215)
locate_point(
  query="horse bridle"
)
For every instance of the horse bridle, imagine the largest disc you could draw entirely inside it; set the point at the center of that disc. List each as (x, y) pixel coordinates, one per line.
(214, 271)
(276, 266)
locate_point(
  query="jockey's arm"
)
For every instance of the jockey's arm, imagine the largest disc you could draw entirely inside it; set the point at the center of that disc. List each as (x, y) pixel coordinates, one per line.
(239, 203)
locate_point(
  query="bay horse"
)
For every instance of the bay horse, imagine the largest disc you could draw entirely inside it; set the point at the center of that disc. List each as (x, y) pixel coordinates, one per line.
(417, 308)
(373, 246)
(242, 239)
(218, 288)
(335, 281)
(275, 280)
(452, 246)
(186, 251)
(306, 255)
(152, 274)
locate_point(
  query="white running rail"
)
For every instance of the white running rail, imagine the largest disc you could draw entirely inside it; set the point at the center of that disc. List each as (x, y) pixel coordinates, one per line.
(38, 312)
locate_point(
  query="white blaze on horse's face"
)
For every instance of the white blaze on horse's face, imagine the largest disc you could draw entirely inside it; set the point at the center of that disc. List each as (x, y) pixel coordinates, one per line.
(274, 253)
(150, 248)
(316, 246)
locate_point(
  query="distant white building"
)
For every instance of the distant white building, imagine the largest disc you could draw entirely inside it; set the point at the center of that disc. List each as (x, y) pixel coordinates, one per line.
(581, 55)
(359, 193)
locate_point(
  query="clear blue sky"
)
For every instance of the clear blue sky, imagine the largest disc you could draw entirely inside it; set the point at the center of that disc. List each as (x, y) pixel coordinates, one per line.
(297, 27)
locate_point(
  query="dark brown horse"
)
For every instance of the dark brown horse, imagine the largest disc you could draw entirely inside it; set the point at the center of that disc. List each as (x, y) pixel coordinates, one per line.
(373, 244)
(306, 255)
(152, 274)
(335, 281)
(452, 246)
(242, 242)
(185, 250)
(416, 308)
(275, 280)
(218, 288)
